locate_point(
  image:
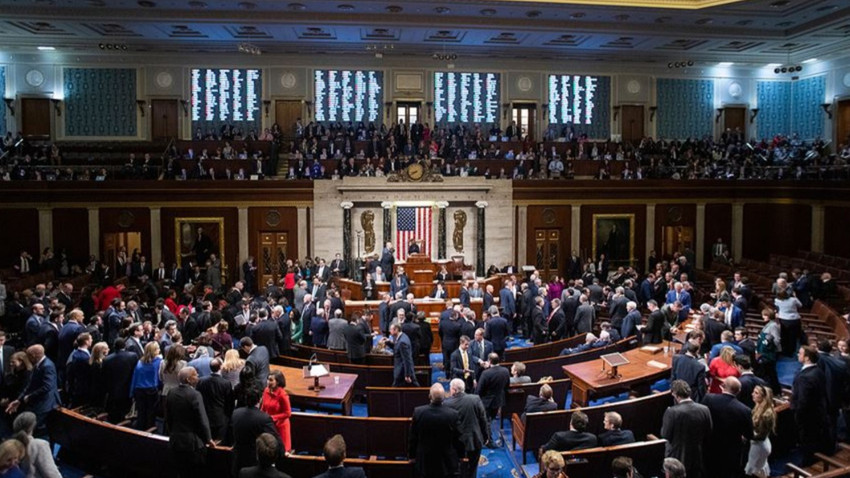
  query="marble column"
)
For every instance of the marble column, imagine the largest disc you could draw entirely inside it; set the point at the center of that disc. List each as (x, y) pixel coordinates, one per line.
(817, 227)
(441, 229)
(521, 253)
(650, 235)
(156, 236)
(301, 214)
(346, 232)
(94, 231)
(480, 256)
(575, 229)
(45, 229)
(737, 230)
(242, 220)
(388, 224)
(700, 233)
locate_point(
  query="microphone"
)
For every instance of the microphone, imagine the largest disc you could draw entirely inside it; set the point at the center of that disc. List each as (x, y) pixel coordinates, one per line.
(312, 360)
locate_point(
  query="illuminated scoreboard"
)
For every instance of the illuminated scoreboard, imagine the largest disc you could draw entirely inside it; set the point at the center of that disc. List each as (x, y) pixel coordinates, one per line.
(573, 99)
(348, 95)
(466, 97)
(226, 96)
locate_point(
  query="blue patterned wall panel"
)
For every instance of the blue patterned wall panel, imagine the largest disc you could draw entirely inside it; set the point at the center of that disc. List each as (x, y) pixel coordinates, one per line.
(806, 113)
(685, 108)
(100, 102)
(3, 90)
(773, 99)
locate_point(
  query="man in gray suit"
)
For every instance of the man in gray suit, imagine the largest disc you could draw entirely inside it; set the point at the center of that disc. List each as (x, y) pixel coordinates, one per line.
(336, 334)
(474, 427)
(687, 428)
(585, 316)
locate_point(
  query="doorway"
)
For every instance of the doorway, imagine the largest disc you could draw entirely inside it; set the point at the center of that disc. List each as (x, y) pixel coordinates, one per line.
(163, 119)
(35, 118)
(631, 123)
(272, 257)
(843, 123)
(734, 118)
(286, 113)
(547, 251)
(676, 239)
(524, 115)
(408, 112)
(113, 241)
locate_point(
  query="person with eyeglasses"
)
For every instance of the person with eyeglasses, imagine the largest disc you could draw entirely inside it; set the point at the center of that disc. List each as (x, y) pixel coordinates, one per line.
(552, 465)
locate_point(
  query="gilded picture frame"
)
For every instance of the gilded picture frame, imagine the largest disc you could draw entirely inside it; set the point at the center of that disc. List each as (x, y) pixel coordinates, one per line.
(188, 246)
(619, 249)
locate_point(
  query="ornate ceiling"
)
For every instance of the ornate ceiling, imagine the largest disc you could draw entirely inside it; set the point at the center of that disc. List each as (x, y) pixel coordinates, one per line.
(746, 32)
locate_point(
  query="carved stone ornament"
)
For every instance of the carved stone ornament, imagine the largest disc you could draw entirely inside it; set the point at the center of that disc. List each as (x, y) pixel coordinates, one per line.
(273, 218)
(415, 173)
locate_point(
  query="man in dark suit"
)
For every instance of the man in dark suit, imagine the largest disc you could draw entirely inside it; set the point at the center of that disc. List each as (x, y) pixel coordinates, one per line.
(496, 330)
(450, 332)
(187, 426)
(652, 332)
(358, 341)
(835, 378)
(48, 335)
(687, 428)
(434, 437)
(6, 352)
(258, 357)
(556, 322)
(307, 314)
(323, 272)
(474, 428)
(68, 336)
(267, 454)
(118, 370)
(266, 333)
(576, 438)
(247, 424)
(539, 324)
(542, 402)
(338, 266)
(507, 302)
(585, 315)
(403, 372)
(732, 424)
(630, 323)
(686, 367)
(41, 394)
(412, 330)
(614, 433)
(334, 452)
(809, 401)
(492, 386)
(217, 393)
(748, 380)
(480, 349)
(399, 285)
(464, 367)
(463, 295)
(488, 297)
(388, 258)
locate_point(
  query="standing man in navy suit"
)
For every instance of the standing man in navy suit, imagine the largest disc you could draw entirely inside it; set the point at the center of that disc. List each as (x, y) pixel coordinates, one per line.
(678, 294)
(403, 371)
(508, 302)
(41, 394)
(809, 403)
(496, 330)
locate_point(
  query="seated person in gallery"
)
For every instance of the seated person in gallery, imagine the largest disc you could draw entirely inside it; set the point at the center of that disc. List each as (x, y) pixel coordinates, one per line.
(591, 342)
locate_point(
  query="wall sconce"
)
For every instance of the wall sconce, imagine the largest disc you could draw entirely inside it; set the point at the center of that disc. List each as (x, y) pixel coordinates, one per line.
(387, 107)
(185, 105)
(719, 114)
(545, 108)
(827, 108)
(266, 103)
(10, 103)
(616, 112)
(652, 110)
(141, 104)
(56, 106)
(753, 113)
(430, 105)
(309, 105)
(505, 107)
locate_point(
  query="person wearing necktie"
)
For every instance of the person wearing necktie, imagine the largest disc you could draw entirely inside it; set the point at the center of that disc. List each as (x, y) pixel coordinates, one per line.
(462, 367)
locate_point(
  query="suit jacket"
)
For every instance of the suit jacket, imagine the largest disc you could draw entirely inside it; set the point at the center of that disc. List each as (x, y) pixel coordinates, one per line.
(267, 334)
(687, 429)
(534, 404)
(507, 301)
(259, 358)
(585, 316)
(497, 330)
(186, 421)
(835, 379)
(654, 325)
(731, 421)
(616, 437)
(570, 440)
(135, 347)
(748, 383)
(456, 361)
(690, 370)
(350, 472)
(247, 424)
(118, 370)
(284, 324)
(68, 341)
(413, 332)
(48, 336)
(474, 428)
(539, 326)
(464, 297)
(41, 394)
(617, 311)
(492, 385)
(402, 361)
(629, 324)
(488, 301)
(809, 400)
(262, 472)
(475, 348)
(399, 284)
(217, 393)
(434, 440)
(450, 331)
(387, 261)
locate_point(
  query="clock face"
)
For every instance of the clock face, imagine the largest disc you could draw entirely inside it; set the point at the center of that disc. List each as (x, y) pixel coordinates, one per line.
(34, 78)
(415, 171)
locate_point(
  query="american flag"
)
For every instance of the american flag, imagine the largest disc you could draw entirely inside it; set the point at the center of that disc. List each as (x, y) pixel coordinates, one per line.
(413, 223)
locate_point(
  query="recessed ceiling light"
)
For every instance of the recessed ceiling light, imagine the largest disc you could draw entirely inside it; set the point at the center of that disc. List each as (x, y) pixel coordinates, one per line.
(442, 10)
(345, 7)
(577, 15)
(394, 9)
(725, 64)
(488, 12)
(533, 13)
(297, 7)
(810, 60)
(46, 48)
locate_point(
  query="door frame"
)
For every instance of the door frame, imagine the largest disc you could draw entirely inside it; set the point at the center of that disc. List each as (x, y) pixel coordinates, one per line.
(836, 101)
(646, 131)
(534, 119)
(719, 129)
(408, 102)
(55, 121)
(270, 118)
(180, 118)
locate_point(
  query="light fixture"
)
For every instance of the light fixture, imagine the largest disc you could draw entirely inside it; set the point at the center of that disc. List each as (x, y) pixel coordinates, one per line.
(46, 48)
(249, 49)
(719, 114)
(753, 113)
(266, 103)
(141, 104)
(827, 108)
(725, 64)
(652, 110)
(185, 105)
(56, 106)
(616, 112)
(10, 103)
(112, 46)
(810, 60)
(680, 64)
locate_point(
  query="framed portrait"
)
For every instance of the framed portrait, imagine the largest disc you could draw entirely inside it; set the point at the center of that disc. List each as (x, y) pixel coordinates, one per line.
(614, 236)
(197, 237)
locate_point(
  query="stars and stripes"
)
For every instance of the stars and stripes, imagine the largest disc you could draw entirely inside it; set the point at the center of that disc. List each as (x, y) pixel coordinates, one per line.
(413, 223)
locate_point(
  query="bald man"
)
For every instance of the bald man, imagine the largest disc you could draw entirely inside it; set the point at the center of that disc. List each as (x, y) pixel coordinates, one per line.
(41, 394)
(731, 422)
(434, 437)
(186, 425)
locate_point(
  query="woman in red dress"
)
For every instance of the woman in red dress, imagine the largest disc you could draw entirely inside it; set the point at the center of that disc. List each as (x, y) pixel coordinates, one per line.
(721, 367)
(276, 404)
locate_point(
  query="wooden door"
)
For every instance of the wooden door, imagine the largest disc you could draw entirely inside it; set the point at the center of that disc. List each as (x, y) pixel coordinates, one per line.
(164, 119)
(676, 239)
(272, 258)
(286, 113)
(35, 117)
(112, 243)
(843, 131)
(631, 123)
(547, 251)
(735, 118)
(524, 115)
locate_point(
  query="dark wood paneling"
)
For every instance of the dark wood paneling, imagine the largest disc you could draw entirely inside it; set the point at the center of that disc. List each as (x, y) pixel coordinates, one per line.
(639, 211)
(21, 233)
(231, 234)
(163, 119)
(549, 217)
(265, 219)
(735, 117)
(835, 241)
(718, 223)
(71, 232)
(129, 219)
(776, 228)
(35, 117)
(673, 215)
(631, 122)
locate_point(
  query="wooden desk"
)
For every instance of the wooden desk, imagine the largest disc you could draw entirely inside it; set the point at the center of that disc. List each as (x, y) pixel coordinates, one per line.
(590, 381)
(296, 387)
